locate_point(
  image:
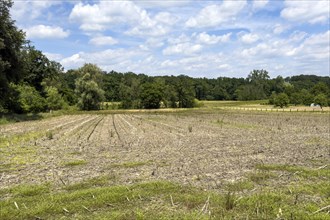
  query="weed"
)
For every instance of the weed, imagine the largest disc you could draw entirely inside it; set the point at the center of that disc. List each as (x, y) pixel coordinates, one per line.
(49, 135)
(190, 128)
(229, 201)
(260, 177)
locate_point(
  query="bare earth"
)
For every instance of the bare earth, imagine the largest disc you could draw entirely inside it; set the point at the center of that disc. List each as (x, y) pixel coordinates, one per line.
(204, 149)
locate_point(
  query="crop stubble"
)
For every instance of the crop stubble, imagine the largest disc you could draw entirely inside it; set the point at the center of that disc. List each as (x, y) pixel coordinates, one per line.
(218, 148)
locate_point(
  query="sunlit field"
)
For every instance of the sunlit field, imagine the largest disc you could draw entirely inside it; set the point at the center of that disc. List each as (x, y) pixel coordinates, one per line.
(203, 163)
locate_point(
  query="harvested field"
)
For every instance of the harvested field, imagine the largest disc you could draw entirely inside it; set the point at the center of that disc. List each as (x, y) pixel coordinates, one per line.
(209, 150)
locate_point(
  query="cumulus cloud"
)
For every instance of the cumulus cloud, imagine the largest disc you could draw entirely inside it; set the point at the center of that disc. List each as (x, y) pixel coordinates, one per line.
(115, 14)
(280, 28)
(30, 9)
(249, 38)
(102, 41)
(259, 4)
(316, 46)
(307, 11)
(205, 38)
(216, 14)
(110, 58)
(182, 48)
(53, 56)
(166, 18)
(162, 4)
(43, 31)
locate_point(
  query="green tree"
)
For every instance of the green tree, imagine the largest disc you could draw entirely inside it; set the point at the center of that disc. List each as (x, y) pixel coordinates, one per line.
(96, 73)
(89, 94)
(320, 88)
(151, 95)
(272, 98)
(321, 99)
(281, 100)
(260, 79)
(11, 41)
(185, 92)
(54, 100)
(29, 99)
(38, 68)
(306, 97)
(296, 98)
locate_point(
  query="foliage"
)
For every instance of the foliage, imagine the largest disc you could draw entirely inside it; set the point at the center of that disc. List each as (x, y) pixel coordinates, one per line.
(29, 99)
(11, 42)
(281, 100)
(38, 68)
(89, 93)
(151, 96)
(54, 100)
(321, 99)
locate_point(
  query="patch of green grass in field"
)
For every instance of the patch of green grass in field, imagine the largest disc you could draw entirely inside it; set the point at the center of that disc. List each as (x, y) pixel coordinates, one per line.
(298, 170)
(93, 182)
(260, 177)
(217, 104)
(240, 186)
(75, 163)
(17, 150)
(96, 199)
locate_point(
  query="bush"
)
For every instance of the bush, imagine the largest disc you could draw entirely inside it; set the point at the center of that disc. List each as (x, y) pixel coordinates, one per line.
(281, 100)
(54, 100)
(321, 100)
(29, 99)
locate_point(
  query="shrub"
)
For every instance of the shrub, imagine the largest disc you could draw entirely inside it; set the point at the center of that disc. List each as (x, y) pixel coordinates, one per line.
(281, 100)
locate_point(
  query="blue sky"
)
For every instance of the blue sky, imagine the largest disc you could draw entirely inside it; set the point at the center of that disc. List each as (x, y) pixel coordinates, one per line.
(196, 38)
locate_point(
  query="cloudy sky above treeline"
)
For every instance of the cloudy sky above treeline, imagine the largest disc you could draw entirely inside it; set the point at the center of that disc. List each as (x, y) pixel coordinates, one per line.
(196, 38)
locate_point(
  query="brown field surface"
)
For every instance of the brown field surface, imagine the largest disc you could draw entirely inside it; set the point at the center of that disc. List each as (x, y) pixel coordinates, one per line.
(206, 149)
(198, 148)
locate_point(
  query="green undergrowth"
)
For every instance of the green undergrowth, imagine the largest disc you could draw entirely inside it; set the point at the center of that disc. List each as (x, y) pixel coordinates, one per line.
(99, 198)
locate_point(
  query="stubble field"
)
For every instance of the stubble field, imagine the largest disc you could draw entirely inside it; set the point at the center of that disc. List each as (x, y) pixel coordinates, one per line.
(188, 164)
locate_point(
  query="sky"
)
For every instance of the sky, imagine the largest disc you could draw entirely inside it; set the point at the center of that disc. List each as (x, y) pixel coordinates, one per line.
(196, 38)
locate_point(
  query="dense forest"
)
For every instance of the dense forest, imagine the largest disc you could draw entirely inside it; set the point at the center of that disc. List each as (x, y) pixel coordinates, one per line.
(30, 82)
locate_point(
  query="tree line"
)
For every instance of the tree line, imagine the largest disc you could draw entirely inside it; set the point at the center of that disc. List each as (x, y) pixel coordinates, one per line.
(30, 82)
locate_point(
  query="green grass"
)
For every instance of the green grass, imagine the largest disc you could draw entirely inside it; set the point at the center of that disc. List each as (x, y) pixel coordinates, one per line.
(99, 199)
(298, 170)
(217, 104)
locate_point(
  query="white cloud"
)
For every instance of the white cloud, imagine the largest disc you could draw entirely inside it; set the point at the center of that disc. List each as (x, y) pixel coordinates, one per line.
(154, 42)
(117, 14)
(205, 38)
(117, 59)
(316, 46)
(280, 28)
(162, 4)
(297, 36)
(258, 4)
(183, 38)
(182, 48)
(216, 14)
(43, 31)
(103, 40)
(307, 11)
(166, 18)
(249, 38)
(53, 56)
(30, 9)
